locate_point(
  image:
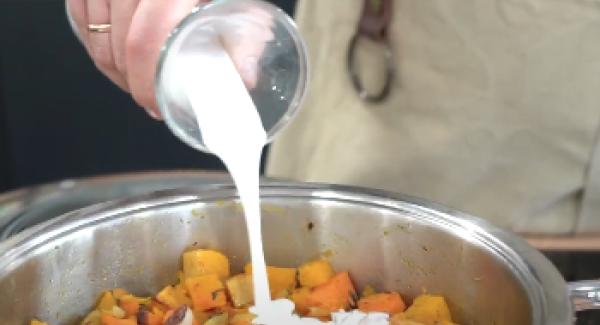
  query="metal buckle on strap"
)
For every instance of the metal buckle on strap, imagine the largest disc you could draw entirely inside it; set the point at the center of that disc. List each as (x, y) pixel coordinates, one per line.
(374, 22)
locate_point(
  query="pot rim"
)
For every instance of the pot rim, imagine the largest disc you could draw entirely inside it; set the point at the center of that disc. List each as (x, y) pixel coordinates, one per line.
(547, 290)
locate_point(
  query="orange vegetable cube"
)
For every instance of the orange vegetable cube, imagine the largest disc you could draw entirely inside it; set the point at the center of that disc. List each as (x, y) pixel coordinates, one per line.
(282, 280)
(129, 304)
(429, 310)
(315, 273)
(207, 292)
(203, 262)
(107, 302)
(300, 297)
(382, 302)
(337, 293)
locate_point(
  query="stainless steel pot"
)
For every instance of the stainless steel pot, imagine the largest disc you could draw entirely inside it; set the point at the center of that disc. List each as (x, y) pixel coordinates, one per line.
(55, 270)
(23, 208)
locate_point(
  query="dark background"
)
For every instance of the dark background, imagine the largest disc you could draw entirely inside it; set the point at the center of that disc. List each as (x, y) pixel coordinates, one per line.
(60, 118)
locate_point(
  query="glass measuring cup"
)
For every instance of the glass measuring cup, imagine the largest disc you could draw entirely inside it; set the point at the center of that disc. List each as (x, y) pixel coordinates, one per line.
(267, 50)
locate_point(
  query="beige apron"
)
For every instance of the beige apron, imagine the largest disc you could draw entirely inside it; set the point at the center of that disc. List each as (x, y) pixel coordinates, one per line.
(494, 111)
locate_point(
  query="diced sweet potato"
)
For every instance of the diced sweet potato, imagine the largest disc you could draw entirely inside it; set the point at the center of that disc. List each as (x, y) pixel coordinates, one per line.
(282, 280)
(220, 319)
(241, 290)
(382, 302)
(300, 297)
(204, 262)
(400, 319)
(315, 273)
(242, 319)
(106, 302)
(429, 310)
(207, 292)
(129, 304)
(333, 295)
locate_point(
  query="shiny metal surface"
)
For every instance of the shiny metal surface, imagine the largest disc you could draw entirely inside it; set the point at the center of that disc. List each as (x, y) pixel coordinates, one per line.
(27, 207)
(585, 294)
(54, 271)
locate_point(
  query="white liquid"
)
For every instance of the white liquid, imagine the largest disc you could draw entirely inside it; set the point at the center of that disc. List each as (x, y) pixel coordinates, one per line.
(231, 128)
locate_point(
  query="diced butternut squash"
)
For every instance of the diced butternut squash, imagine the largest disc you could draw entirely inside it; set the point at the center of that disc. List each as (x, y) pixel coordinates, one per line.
(118, 312)
(220, 319)
(129, 304)
(300, 297)
(111, 320)
(107, 302)
(242, 319)
(282, 280)
(240, 290)
(173, 297)
(201, 316)
(429, 310)
(382, 302)
(93, 318)
(315, 273)
(204, 262)
(333, 295)
(37, 322)
(400, 319)
(207, 292)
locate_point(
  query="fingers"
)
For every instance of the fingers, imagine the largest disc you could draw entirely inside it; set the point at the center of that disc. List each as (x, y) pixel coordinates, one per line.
(100, 48)
(150, 27)
(121, 12)
(77, 11)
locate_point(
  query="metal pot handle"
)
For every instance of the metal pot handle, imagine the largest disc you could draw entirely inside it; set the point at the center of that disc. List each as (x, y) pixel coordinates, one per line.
(585, 295)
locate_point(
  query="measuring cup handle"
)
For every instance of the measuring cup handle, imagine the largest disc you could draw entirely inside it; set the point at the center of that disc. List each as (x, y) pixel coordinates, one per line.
(585, 295)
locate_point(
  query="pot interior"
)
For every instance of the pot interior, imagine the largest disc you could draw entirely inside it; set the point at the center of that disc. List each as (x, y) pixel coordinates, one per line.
(56, 271)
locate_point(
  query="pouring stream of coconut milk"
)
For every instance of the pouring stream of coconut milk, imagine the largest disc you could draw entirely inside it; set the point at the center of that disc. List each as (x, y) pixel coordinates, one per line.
(231, 128)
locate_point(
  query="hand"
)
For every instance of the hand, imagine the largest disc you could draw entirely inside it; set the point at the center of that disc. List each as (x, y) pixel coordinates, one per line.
(129, 53)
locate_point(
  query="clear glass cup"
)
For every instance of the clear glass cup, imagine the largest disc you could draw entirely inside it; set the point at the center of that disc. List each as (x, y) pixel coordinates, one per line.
(273, 46)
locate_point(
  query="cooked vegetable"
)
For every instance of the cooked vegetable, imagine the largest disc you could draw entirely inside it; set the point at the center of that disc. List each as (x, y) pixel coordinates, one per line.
(315, 273)
(333, 295)
(300, 297)
(242, 319)
(205, 294)
(429, 310)
(220, 319)
(207, 291)
(240, 290)
(107, 302)
(129, 304)
(390, 303)
(112, 320)
(204, 262)
(282, 280)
